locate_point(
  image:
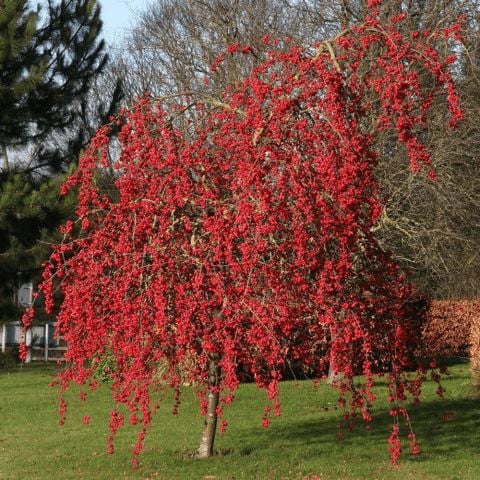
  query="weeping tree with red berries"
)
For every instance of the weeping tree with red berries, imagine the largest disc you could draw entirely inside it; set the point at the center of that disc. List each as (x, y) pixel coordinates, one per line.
(239, 239)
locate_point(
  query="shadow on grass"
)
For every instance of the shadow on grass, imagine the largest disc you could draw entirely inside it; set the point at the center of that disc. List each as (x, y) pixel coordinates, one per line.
(441, 427)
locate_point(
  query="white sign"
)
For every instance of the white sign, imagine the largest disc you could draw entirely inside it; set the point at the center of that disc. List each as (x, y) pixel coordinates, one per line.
(25, 295)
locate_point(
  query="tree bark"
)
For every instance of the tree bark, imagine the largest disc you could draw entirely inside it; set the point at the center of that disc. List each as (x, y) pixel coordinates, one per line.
(6, 163)
(334, 376)
(210, 426)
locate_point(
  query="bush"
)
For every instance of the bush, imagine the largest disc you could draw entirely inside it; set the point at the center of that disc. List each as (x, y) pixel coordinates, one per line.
(449, 327)
(475, 354)
(9, 359)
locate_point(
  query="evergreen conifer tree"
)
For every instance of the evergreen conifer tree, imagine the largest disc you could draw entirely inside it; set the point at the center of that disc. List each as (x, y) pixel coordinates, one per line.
(46, 71)
(50, 56)
(30, 211)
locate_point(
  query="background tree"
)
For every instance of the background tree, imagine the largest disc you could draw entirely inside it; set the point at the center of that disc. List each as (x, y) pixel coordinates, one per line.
(49, 63)
(173, 45)
(47, 68)
(30, 213)
(247, 240)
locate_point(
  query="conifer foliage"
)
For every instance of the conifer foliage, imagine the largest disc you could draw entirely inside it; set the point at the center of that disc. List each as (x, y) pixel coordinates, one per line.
(50, 55)
(30, 213)
(245, 241)
(48, 60)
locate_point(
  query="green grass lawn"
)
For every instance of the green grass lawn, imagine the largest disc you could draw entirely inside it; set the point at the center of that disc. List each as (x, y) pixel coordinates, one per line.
(300, 443)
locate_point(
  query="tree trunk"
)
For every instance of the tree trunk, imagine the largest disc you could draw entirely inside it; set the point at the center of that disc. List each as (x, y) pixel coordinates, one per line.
(334, 376)
(6, 164)
(210, 426)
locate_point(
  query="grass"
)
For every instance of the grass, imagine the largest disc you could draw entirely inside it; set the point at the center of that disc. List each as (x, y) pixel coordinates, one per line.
(298, 445)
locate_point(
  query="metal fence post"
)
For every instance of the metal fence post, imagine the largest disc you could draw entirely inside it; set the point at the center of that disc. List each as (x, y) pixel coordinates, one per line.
(46, 342)
(4, 337)
(28, 344)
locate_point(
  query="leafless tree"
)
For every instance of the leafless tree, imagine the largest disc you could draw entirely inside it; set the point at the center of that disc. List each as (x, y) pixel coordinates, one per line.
(172, 47)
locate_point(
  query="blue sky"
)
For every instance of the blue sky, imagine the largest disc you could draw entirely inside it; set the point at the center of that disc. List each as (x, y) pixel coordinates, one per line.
(118, 15)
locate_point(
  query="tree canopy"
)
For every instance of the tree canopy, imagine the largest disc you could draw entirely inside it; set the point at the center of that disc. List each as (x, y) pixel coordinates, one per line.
(431, 228)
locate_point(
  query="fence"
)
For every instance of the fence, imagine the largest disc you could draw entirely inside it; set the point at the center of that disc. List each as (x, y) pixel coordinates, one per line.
(41, 340)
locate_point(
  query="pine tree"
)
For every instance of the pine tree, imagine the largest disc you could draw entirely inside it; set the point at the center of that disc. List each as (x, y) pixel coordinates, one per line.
(30, 211)
(50, 57)
(46, 72)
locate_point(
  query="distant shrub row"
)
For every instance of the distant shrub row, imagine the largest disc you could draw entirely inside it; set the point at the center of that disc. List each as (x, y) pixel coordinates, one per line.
(448, 330)
(453, 330)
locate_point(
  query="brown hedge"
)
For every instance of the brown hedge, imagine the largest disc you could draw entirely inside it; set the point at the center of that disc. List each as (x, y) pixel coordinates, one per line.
(475, 354)
(452, 329)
